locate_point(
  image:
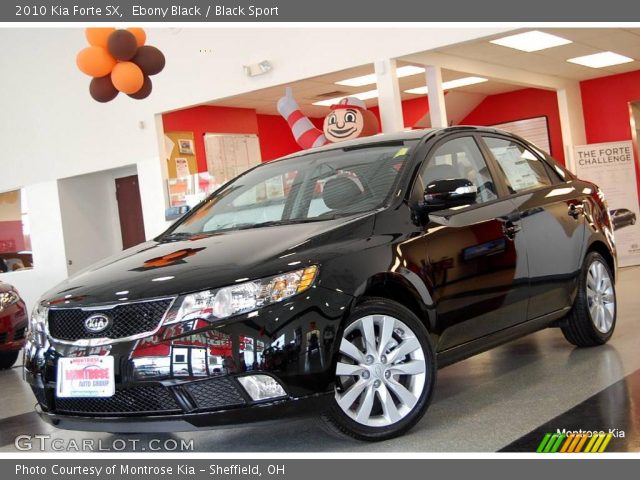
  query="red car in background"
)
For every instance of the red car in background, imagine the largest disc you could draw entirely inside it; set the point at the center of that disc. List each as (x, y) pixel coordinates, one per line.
(13, 325)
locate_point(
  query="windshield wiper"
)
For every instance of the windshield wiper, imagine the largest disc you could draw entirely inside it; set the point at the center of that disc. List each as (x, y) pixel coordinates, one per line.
(273, 223)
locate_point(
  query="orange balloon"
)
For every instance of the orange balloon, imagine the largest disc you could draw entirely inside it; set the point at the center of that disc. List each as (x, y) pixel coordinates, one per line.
(141, 37)
(97, 36)
(95, 61)
(127, 77)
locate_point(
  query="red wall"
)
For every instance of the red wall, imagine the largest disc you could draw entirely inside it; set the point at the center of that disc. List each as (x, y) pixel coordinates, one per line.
(273, 132)
(412, 111)
(11, 236)
(605, 102)
(520, 105)
(210, 119)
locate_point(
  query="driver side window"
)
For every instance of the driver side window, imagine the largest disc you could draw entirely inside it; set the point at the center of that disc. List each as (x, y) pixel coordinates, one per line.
(459, 158)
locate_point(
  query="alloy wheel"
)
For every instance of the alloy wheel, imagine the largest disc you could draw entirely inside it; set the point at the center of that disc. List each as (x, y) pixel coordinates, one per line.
(381, 372)
(600, 297)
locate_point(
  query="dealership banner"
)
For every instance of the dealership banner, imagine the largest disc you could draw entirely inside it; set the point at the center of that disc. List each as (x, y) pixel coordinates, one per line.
(316, 11)
(316, 469)
(611, 166)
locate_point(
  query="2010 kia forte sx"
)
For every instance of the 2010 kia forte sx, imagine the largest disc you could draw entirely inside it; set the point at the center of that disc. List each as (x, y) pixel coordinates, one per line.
(335, 281)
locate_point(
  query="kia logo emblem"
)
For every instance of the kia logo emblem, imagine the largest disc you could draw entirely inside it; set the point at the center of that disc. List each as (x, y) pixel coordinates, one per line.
(97, 323)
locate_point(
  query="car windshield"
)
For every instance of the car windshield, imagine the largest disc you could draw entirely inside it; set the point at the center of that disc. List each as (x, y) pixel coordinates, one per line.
(312, 187)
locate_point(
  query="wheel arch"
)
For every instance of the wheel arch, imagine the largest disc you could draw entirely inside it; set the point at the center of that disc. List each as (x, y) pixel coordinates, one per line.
(600, 247)
(404, 289)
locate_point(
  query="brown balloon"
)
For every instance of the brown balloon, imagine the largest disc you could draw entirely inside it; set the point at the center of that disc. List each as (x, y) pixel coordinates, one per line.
(149, 59)
(144, 91)
(102, 89)
(122, 44)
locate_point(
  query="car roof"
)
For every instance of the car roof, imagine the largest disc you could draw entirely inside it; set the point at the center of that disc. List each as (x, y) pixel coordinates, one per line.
(404, 135)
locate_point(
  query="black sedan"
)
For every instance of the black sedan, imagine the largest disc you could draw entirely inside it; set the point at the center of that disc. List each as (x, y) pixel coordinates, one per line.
(334, 281)
(622, 217)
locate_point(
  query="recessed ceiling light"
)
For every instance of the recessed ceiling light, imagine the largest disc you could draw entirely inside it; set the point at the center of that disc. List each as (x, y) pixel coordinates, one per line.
(531, 41)
(601, 60)
(460, 82)
(362, 96)
(370, 79)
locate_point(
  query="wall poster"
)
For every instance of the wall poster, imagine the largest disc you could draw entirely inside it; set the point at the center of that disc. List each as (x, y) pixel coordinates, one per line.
(612, 167)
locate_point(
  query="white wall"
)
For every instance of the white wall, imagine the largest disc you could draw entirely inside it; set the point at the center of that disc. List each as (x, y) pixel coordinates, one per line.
(56, 130)
(47, 241)
(90, 218)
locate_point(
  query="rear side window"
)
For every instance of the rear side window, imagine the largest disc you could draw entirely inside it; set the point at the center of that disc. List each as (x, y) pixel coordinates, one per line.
(522, 169)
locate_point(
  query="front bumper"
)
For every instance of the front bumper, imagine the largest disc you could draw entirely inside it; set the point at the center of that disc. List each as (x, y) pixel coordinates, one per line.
(185, 376)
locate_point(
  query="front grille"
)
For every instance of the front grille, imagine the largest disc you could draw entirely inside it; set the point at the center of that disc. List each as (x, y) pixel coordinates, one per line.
(140, 400)
(126, 320)
(215, 393)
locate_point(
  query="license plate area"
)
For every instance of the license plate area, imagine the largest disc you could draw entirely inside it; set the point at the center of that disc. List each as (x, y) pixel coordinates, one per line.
(86, 377)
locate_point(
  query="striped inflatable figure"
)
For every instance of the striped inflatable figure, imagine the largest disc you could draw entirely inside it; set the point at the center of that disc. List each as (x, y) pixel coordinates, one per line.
(348, 119)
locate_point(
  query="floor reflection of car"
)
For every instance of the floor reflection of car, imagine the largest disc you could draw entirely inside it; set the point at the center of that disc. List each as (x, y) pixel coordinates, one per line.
(335, 282)
(622, 217)
(13, 324)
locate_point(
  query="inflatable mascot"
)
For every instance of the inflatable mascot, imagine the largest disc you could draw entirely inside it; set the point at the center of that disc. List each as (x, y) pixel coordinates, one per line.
(348, 119)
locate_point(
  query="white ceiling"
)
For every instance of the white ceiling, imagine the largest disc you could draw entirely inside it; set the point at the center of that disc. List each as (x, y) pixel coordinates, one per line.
(551, 61)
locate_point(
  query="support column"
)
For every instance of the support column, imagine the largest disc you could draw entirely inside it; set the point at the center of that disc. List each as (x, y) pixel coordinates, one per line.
(389, 100)
(437, 107)
(571, 121)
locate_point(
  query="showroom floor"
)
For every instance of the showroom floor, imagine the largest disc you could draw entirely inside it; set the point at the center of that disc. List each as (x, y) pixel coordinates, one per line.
(505, 399)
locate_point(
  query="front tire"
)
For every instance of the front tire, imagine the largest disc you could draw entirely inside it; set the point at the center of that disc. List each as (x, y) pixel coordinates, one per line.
(385, 374)
(7, 359)
(593, 317)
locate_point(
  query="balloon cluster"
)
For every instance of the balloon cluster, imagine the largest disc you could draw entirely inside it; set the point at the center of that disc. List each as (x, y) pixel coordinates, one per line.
(119, 61)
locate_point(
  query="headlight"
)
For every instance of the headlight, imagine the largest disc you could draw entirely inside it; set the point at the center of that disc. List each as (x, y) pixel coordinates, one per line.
(37, 325)
(245, 297)
(7, 299)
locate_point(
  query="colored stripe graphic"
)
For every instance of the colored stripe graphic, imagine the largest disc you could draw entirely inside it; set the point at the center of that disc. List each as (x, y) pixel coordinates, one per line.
(574, 443)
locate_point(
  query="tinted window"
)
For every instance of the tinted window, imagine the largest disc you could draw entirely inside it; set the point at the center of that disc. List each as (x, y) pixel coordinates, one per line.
(312, 187)
(522, 169)
(459, 158)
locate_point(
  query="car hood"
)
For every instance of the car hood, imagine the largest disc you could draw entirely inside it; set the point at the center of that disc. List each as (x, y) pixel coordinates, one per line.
(159, 269)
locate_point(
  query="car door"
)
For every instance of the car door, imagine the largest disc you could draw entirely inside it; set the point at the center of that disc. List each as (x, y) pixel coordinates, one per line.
(472, 257)
(552, 218)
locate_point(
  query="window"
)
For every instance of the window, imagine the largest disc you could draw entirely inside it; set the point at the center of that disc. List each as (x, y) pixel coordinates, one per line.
(522, 169)
(311, 187)
(459, 159)
(15, 236)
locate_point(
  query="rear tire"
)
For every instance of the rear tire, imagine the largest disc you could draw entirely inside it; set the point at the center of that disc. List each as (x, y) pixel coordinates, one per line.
(7, 359)
(385, 375)
(593, 317)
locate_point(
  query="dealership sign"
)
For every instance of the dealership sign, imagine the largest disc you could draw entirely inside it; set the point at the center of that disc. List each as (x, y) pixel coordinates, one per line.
(611, 166)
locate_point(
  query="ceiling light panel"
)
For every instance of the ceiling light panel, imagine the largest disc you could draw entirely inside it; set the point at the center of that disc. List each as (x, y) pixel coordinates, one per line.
(457, 83)
(370, 79)
(532, 41)
(601, 60)
(362, 96)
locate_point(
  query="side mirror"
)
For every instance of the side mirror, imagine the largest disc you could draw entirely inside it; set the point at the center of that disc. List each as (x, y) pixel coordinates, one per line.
(443, 194)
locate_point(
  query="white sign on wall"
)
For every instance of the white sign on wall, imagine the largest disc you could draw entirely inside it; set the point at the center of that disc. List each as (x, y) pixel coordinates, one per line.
(611, 166)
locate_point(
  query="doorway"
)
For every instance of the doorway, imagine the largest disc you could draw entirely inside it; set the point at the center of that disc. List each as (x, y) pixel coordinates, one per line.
(130, 211)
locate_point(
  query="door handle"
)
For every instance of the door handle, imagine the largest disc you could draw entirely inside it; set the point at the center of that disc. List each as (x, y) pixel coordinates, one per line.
(510, 229)
(575, 210)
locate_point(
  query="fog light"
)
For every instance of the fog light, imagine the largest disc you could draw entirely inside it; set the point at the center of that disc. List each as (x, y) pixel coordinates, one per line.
(261, 387)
